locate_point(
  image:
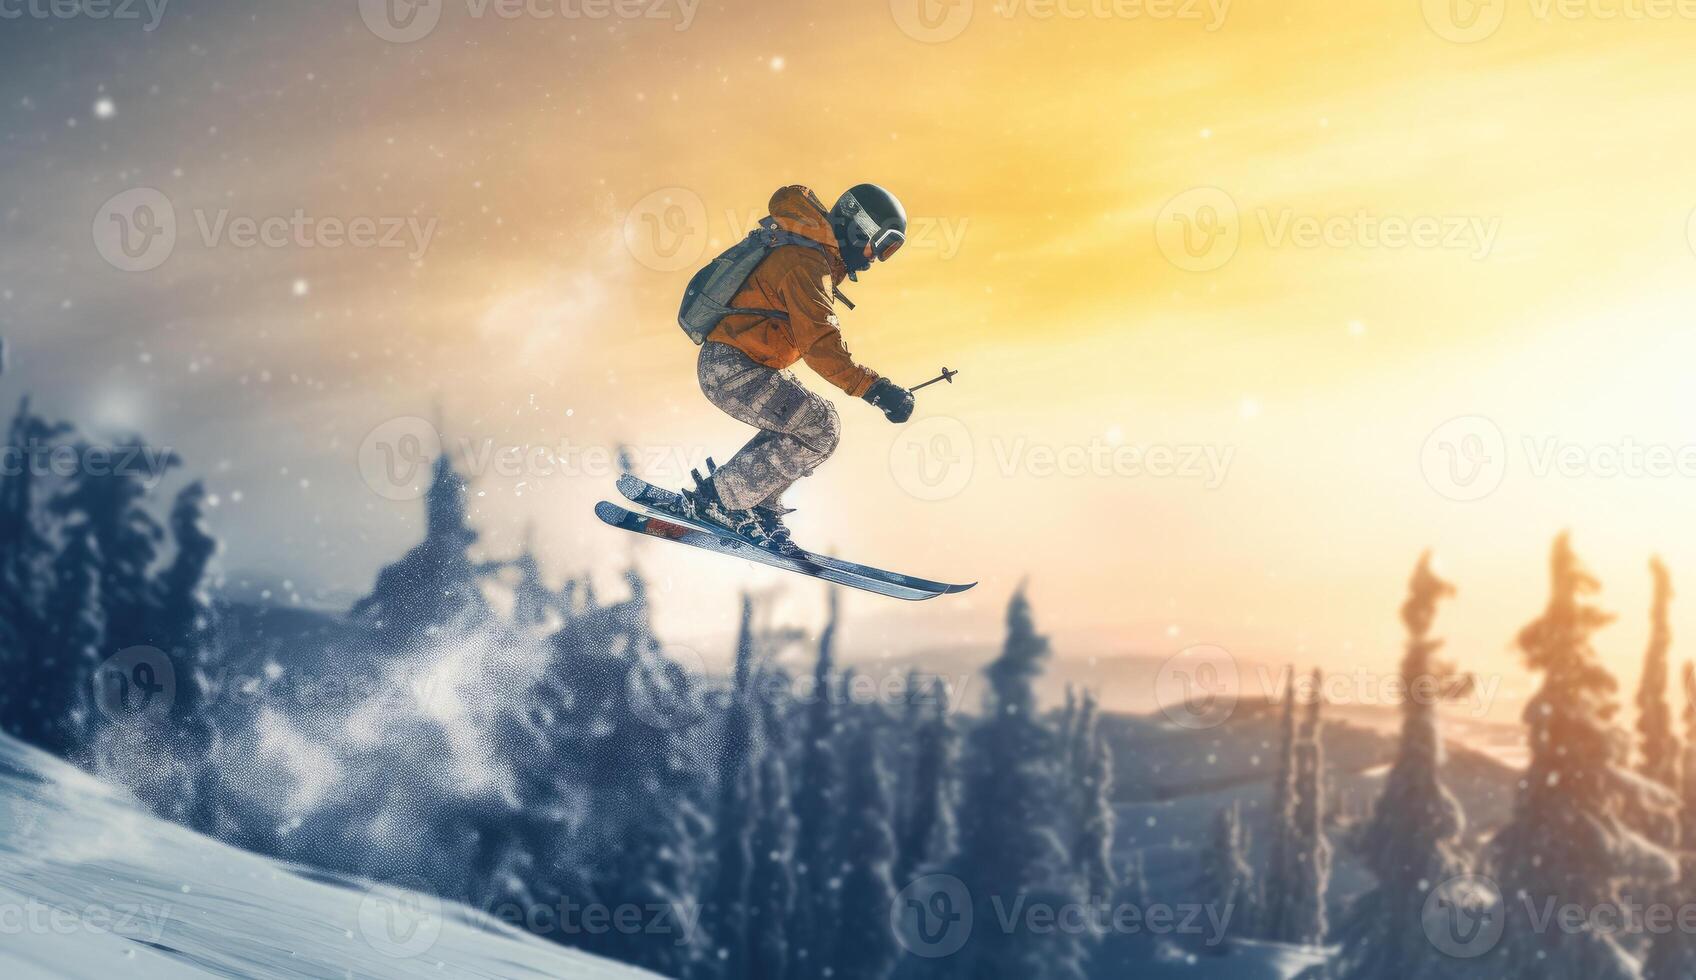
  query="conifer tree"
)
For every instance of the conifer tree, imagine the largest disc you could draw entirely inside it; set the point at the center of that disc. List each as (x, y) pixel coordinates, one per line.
(866, 948)
(726, 911)
(1568, 840)
(436, 583)
(1657, 740)
(930, 835)
(1227, 878)
(1010, 843)
(771, 889)
(61, 703)
(1280, 877)
(1412, 842)
(1092, 848)
(817, 799)
(1313, 852)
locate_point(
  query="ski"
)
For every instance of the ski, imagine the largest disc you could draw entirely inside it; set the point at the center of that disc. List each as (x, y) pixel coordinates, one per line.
(669, 505)
(718, 541)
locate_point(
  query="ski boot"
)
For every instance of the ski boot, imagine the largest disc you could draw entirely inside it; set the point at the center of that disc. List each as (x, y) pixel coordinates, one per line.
(702, 503)
(773, 534)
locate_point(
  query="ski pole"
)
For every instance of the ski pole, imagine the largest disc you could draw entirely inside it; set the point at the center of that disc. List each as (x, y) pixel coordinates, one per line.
(946, 375)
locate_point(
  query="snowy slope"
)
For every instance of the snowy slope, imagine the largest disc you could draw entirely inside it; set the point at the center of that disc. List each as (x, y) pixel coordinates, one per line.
(90, 886)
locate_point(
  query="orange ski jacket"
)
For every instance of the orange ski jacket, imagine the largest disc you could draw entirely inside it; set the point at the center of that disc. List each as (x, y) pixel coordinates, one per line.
(801, 281)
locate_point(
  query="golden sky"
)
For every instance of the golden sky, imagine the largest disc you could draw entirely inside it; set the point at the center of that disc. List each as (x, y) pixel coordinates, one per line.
(1425, 212)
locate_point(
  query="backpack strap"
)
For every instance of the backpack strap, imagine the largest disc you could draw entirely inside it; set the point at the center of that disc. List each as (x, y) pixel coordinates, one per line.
(772, 236)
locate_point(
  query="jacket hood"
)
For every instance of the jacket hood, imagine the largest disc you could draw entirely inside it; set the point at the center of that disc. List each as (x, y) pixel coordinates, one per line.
(798, 211)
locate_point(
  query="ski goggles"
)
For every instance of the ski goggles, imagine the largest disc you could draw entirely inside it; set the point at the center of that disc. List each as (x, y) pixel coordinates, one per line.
(887, 242)
(884, 240)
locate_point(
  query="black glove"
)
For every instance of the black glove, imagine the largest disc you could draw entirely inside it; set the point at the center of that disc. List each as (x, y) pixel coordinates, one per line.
(894, 401)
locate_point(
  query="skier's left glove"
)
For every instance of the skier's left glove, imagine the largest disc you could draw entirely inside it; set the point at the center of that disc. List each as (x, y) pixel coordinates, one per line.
(894, 401)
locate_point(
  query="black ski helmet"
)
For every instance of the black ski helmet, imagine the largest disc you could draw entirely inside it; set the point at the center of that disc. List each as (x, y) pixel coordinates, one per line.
(868, 215)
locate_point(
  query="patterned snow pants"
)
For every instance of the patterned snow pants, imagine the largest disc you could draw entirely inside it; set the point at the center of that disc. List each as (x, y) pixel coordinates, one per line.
(798, 429)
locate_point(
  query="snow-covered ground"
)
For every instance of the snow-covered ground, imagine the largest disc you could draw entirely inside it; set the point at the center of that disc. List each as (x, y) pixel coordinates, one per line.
(91, 886)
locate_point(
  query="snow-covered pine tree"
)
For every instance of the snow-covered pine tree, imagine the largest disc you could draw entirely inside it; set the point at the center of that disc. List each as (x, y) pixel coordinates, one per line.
(185, 630)
(725, 914)
(1687, 785)
(25, 567)
(1312, 862)
(434, 584)
(1226, 878)
(1568, 840)
(1011, 851)
(771, 887)
(817, 801)
(1657, 741)
(1092, 848)
(1412, 842)
(1668, 761)
(1279, 880)
(866, 947)
(61, 710)
(110, 499)
(929, 835)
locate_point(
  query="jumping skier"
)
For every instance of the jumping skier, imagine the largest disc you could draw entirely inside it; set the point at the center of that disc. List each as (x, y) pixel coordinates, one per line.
(757, 309)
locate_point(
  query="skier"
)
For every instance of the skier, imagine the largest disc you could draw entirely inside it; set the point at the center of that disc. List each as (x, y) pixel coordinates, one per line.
(757, 309)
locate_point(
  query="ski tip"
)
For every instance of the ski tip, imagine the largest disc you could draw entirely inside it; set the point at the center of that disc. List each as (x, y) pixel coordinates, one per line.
(627, 483)
(955, 589)
(611, 513)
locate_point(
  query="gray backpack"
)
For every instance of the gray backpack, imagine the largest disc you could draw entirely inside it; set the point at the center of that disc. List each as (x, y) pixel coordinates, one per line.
(707, 299)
